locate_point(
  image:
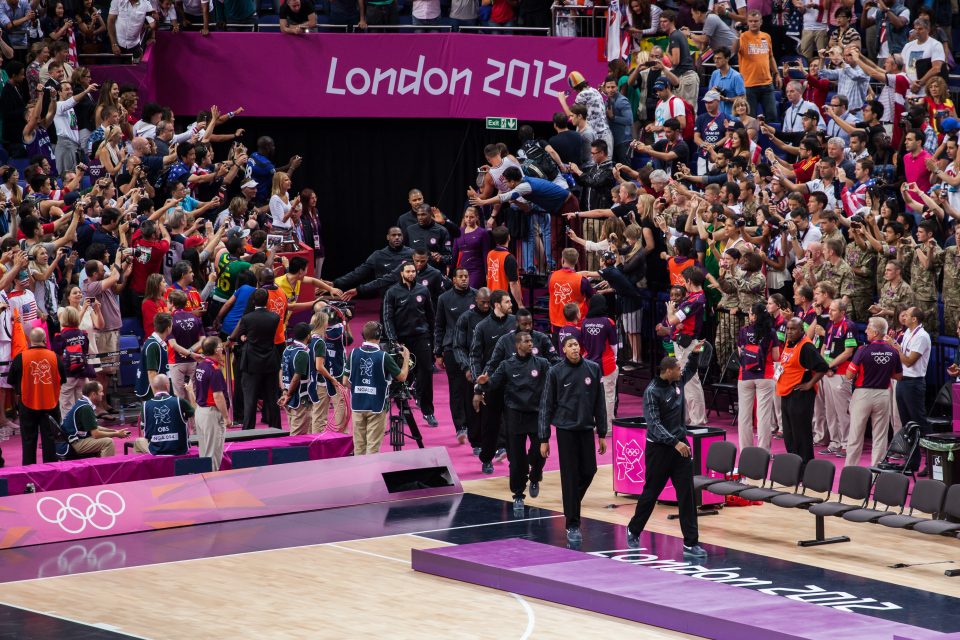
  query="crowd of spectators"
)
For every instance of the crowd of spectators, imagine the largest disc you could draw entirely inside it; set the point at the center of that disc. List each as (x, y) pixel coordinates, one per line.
(747, 181)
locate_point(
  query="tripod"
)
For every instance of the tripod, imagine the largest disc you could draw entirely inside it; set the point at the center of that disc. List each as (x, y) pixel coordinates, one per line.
(401, 404)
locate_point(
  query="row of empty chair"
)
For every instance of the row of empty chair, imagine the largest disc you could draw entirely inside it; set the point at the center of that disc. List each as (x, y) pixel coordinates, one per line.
(781, 484)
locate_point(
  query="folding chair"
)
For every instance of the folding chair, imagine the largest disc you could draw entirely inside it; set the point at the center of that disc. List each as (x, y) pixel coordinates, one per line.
(855, 483)
(724, 385)
(940, 416)
(904, 446)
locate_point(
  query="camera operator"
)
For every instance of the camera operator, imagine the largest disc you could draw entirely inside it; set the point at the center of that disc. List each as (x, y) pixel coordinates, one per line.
(408, 318)
(370, 370)
(498, 324)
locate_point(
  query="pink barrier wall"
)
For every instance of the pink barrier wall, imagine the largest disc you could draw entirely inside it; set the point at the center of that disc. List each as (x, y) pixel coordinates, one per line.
(369, 76)
(163, 503)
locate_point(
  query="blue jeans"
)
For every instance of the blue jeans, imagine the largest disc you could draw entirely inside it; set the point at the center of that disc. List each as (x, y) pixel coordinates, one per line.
(539, 229)
(763, 96)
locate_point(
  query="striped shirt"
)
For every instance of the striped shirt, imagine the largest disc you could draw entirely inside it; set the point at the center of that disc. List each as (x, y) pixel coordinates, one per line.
(852, 82)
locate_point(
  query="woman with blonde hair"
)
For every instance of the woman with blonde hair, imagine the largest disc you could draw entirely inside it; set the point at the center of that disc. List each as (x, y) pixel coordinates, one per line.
(939, 104)
(654, 244)
(322, 383)
(282, 209)
(741, 112)
(39, 55)
(73, 346)
(111, 154)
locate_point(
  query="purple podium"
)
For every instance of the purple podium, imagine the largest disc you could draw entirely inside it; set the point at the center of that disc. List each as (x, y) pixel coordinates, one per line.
(629, 439)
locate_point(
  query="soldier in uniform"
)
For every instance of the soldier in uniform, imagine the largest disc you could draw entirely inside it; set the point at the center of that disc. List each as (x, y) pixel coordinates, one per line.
(895, 295)
(830, 228)
(951, 286)
(835, 270)
(886, 244)
(926, 260)
(728, 322)
(862, 260)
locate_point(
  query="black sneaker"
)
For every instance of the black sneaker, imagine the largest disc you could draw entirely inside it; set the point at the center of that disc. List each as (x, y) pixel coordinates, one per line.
(431, 420)
(633, 540)
(487, 468)
(518, 505)
(574, 536)
(461, 436)
(501, 455)
(696, 551)
(476, 451)
(534, 489)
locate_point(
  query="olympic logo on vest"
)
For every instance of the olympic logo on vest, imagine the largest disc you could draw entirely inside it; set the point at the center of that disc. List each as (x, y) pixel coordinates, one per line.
(81, 510)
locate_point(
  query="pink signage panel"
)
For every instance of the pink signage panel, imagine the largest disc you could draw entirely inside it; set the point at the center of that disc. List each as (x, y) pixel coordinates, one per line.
(90, 512)
(369, 76)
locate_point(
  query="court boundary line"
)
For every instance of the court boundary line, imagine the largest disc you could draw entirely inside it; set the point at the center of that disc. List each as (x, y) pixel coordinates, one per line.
(103, 626)
(246, 553)
(531, 615)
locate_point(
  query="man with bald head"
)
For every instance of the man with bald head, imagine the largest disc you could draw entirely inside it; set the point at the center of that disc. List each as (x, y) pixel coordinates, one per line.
(35, 377)
(165, 421)
(797, 374)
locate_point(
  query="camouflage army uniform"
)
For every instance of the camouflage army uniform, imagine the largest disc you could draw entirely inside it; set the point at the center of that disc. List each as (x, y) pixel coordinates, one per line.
(839, 275)
(951, 290)
(896, 299)
(923, 281)
(864, 287)
(836, 235)
(729, 321)
(886, 254)
(752, 288)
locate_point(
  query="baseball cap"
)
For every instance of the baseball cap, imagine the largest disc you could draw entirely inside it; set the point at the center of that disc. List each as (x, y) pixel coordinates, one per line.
(71, 198)
(711, 96)
(575, 79)
(607, 256)
(813, 114)
(237, 232)
(949, 125)
(194, 241)
(249, 184)
(661, 83)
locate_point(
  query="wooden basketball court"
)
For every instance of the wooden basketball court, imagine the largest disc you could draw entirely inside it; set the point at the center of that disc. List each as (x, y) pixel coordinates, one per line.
(363, 586)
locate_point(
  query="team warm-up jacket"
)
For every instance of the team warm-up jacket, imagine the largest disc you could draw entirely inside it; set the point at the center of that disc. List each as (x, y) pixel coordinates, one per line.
(434, 238)
(507, 346)
(433, 280)
(573, 399)
(408, 312)
(663, 407)
(378, 264)
(522, 381)
(463, 339)
(485, 338)
(450, 306)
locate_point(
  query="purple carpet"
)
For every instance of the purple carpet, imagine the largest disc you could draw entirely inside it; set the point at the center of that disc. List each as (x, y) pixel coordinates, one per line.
(687, 604)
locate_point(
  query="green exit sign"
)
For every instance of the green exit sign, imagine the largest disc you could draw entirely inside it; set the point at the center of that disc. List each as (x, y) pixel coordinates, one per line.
(502, 124)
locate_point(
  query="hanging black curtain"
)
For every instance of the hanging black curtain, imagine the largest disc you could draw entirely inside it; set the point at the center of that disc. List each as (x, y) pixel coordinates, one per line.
(363, 169)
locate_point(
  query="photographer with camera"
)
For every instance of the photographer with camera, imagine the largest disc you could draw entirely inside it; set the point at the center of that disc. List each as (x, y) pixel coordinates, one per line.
(408, 318)
(370, 370)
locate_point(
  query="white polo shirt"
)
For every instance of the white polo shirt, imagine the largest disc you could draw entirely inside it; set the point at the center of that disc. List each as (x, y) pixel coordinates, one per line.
(913, 342)
(130, 21)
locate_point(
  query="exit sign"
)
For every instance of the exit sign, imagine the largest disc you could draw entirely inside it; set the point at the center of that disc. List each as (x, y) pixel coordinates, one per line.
(502, 124)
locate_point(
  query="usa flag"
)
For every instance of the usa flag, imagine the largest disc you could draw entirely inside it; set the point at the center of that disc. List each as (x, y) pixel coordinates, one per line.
(618, 37)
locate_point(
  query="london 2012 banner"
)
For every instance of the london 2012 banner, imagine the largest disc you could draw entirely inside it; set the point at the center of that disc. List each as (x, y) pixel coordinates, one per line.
(369, 75)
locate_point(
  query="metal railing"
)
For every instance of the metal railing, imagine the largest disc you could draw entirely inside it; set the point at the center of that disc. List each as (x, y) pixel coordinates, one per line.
(408, 28)
(517, 31)
(577, 21)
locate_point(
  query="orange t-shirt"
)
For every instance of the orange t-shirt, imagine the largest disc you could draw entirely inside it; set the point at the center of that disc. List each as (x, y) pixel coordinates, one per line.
(564, 287)
(277, 302)
(754, 54)
(40, 383)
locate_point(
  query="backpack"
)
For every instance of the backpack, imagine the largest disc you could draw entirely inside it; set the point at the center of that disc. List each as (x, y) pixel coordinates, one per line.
(690, 115)
(74, 360)
(536, 162)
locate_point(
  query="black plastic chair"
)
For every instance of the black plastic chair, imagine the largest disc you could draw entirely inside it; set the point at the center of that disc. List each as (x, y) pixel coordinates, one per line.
(855, 483)
(731, 370)
(283, 455)
(817, 477)
(904, 446)
(890, 491)
(721, 458)
(927, 497)
(940, 416)
(785, 472)
(754, 464)
(244, 459)
(951, 509)
(191, 466)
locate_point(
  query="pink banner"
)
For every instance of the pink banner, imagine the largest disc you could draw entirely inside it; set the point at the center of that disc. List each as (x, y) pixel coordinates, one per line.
(91, 512)
(369, 76)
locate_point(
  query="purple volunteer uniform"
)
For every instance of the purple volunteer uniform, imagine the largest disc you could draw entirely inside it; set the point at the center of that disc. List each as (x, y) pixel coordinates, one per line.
(187, 330)
(208, 379)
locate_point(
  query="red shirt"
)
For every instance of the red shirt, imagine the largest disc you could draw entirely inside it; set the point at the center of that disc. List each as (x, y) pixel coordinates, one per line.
(804, 169)
(149, 309)
(150, 261)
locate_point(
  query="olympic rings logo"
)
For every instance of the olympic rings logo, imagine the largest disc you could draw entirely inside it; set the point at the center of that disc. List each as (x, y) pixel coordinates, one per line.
(81, 510)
